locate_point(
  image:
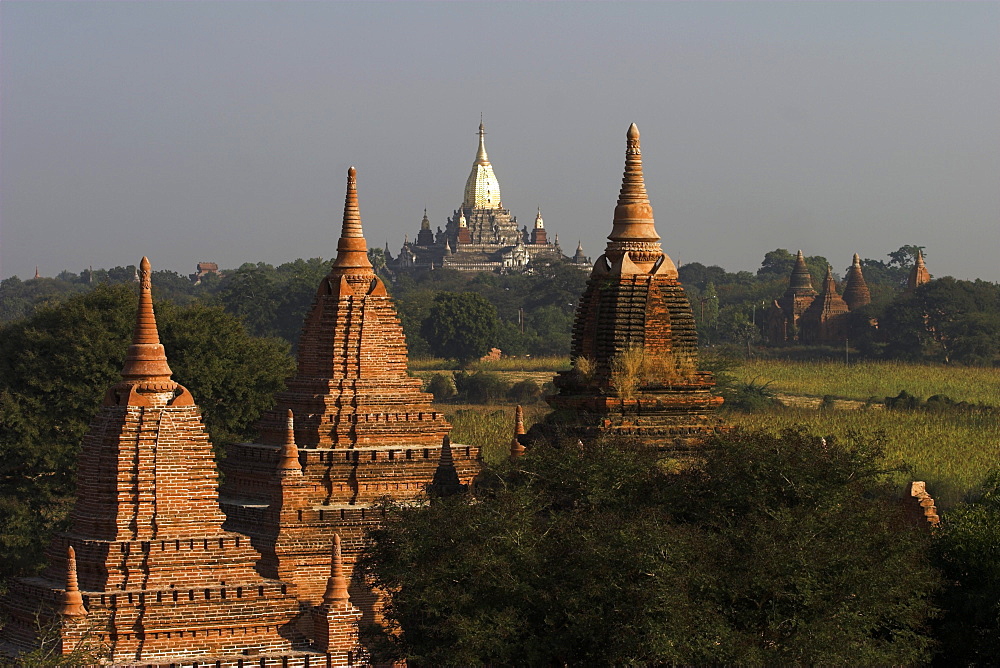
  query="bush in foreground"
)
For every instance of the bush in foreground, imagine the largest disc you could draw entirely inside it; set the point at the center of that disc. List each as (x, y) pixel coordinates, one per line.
(776, 550)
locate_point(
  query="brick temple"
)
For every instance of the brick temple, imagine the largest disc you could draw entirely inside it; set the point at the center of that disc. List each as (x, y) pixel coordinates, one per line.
(362, 430)
(801, 315)
(146, 571)
(161, 567)
(635, 348)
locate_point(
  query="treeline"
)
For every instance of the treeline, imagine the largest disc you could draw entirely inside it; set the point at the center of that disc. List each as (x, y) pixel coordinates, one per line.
(446, 313)
(945, 321)
(523, 314)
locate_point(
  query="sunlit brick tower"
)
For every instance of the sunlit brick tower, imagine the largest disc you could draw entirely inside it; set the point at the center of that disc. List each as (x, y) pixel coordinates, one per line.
(146, 570)
(635, 348)
(362, 430)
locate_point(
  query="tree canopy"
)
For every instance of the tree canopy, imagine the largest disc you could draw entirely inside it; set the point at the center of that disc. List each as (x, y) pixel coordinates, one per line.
(461, 326)
(777, 550)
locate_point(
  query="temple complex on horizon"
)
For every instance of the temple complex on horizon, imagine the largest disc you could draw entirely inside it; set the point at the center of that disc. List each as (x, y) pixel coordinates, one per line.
(481, 235)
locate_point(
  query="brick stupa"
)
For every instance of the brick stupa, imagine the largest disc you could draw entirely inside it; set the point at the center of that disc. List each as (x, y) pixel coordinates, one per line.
(825, 320)
(146, 570)
(634, 313)
(856, 292)
(362, 430)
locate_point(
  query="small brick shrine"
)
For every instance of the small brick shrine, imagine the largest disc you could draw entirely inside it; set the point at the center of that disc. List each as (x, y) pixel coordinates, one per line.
(635, 348)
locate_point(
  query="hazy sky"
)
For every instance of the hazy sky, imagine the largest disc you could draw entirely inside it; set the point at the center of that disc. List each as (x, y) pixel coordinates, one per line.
(222, 131)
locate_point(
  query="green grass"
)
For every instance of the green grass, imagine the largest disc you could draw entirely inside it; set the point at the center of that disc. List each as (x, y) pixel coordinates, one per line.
(489, 427)
(552, 364)
(879, 379)
(951, 451)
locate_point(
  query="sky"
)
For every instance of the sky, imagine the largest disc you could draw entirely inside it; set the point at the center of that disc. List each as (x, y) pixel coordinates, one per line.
(223, 131)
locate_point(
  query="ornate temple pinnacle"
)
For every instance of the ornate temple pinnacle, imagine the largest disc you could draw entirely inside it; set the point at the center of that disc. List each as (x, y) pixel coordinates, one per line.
(336, 585)
(72, 602)
(481, 157)
(633, 233)
(352, 249)
(146, 359)
(289, 464)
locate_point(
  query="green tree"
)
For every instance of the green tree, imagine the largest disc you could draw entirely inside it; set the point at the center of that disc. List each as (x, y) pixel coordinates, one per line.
(460, 326)
(966, 550)
(777, 550)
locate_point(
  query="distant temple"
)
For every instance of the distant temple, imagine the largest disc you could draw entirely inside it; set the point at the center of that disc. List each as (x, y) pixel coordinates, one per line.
(804, 316)
(635, 350)
(481, 235)
(204, 269)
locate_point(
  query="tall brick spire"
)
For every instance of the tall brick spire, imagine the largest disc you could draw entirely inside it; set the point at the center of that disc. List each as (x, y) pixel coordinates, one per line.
(352, 249)
(146, 360)
(145, 535)
(336, 584)
(289, 464)
(635, 307)
(800, 281)
(918, 274)
(633, 239)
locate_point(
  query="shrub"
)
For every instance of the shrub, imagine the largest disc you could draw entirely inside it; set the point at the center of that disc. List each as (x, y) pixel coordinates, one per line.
(481, 387)
(524, 392)
(441, 386)
(750, 397)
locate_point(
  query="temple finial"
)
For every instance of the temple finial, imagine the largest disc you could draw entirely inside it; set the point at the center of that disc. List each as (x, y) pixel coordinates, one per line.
(352, 249)
(516, 447)
(72, 601)
(146, 359)
(336, 585)
(288, 464)
(633, 221)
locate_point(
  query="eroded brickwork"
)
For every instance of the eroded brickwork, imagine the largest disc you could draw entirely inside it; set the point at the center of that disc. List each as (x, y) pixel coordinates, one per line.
(634, 307)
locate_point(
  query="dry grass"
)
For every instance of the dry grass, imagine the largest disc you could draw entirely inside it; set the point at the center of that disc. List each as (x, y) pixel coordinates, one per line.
(951, 451)
(535, 364)
(875, 379)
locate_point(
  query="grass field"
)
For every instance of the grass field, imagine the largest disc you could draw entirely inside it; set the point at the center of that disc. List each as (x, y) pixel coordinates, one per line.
(875, 379)
(536, 364)
(952, 451)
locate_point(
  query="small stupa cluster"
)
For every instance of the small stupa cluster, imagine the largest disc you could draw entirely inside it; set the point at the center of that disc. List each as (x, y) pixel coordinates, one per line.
(801, 315)
(162, 566)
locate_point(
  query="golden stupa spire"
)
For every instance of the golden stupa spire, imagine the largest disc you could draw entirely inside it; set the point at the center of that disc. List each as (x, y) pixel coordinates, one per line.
(352, 249)
(482, 189)
(146, 359)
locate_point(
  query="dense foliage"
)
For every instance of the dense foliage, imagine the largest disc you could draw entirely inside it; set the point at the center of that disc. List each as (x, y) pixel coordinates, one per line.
(55, 368)
(778, 550)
